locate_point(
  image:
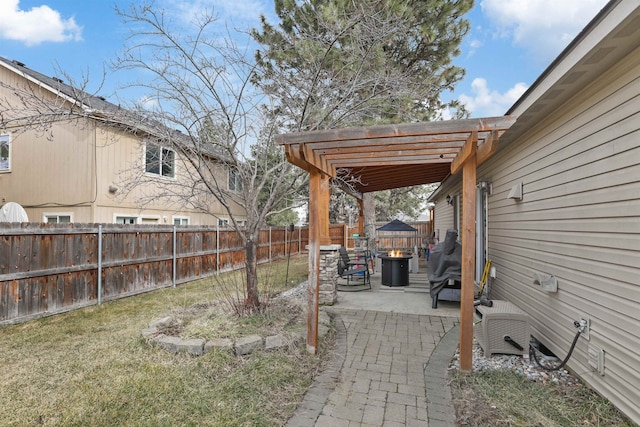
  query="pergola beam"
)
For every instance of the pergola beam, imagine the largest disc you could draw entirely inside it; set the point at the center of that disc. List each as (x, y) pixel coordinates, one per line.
(293, 157)
(394, 131)
(488, 147)
(468, 149)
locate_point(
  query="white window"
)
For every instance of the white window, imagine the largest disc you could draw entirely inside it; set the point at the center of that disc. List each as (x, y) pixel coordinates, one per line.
(180, 220)
(5, 153)
(235, 183)
(126, 219)
(223, 222)
(160, 161)
(55, 218)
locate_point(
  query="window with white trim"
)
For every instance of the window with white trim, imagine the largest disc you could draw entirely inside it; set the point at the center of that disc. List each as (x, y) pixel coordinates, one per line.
(223, 222)
(55, 218)
(235, 183)
(126, 220)
(5, 153)
(180, 220)
(160, 161)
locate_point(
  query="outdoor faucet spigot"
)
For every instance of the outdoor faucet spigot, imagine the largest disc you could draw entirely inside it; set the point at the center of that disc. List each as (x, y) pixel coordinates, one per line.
(581, 325)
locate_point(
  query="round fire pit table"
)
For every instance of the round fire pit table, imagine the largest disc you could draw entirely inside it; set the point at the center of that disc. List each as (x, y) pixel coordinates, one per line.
(395, 270)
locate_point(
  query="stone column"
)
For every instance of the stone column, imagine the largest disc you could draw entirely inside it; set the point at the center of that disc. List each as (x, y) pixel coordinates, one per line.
(329, 256)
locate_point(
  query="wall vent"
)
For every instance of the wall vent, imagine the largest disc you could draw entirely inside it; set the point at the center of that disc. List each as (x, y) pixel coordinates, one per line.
(516, 192)
(596, 359)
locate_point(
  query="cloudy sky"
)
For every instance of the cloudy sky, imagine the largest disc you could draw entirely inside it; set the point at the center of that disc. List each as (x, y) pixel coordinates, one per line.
(510, 44)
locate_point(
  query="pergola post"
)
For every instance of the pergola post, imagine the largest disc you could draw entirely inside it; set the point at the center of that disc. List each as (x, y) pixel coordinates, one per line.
(467, 161)
(323, 206)
(318, 232)
(468, 263)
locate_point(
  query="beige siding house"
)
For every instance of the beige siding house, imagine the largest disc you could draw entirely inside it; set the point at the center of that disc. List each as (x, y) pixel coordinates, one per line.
(81, 170)
(562, 198)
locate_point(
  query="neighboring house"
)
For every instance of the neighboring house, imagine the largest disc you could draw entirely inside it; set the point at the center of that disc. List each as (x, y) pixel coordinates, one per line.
(84, 170)
(561, 197)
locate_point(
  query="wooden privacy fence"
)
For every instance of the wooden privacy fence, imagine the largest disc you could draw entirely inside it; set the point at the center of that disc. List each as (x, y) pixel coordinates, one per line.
(405, 240)
(51, 268)
(385, 240)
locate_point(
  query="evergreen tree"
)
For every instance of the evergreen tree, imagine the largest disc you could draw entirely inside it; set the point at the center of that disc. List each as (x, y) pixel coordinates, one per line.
(335, 63)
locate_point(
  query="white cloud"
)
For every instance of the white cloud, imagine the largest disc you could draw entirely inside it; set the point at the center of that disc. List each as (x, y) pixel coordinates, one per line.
(238, 12)
(485, 102)
(37, 25)
(474, 45)
(544, 27)
(445, 114)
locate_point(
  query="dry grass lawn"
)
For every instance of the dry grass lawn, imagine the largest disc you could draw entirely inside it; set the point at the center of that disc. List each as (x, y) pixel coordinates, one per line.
(504, 398)
(91, 367)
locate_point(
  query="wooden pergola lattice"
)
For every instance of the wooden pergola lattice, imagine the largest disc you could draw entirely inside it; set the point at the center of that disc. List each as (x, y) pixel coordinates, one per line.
(394, 156)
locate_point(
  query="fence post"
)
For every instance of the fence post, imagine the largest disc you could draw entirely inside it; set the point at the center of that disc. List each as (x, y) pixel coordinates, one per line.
(270, 244)
(99, 264)
(299, 239)
(175, 241)
(217, 250)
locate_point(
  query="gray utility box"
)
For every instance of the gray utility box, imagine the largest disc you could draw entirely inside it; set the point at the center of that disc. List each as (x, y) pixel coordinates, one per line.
(501, 320)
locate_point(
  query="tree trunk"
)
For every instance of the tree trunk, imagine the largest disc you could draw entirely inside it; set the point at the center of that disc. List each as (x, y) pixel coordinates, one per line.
(251, 256)
(369, 203)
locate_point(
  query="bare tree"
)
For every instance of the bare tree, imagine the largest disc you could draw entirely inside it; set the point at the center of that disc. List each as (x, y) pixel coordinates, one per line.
(199, 110)
(199, 82)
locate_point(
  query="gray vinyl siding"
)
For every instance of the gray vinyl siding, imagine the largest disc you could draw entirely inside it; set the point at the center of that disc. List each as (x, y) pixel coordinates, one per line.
(443, 218)
(444, 213)
(580, 221)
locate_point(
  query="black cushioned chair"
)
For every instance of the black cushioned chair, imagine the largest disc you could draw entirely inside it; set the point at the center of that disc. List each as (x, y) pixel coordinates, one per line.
(355, 269)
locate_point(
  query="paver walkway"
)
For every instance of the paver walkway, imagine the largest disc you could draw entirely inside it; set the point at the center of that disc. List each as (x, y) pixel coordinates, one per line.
(377, 374)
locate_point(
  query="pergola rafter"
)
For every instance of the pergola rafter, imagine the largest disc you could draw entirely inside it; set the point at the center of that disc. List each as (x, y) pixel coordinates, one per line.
(394, 156)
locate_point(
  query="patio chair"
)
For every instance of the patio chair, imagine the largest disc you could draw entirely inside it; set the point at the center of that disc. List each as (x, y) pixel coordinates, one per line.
(345, 260)
(355, 269)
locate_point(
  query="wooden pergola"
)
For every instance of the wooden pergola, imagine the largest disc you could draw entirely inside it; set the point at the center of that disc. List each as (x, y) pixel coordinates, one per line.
(394, 156)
